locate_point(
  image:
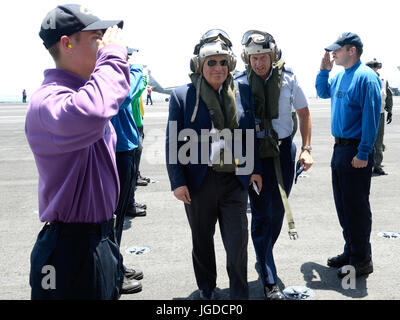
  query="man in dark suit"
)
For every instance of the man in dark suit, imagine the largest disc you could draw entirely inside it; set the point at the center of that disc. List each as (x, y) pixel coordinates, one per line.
(209, 174)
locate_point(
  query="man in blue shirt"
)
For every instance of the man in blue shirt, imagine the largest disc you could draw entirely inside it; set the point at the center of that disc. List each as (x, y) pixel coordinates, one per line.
(127, 143)
(355, 102)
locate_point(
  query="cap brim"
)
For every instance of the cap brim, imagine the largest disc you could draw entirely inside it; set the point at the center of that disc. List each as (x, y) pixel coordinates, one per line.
(333, 47)
(104, 24)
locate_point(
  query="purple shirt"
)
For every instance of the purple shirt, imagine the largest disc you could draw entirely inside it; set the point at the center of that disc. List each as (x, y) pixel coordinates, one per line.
(68, 129)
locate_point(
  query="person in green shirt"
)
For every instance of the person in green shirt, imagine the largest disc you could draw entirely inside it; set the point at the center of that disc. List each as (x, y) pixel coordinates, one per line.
(135, 208)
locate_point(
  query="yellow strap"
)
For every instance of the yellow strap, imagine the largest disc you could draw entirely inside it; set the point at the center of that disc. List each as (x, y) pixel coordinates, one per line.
(141, 107)
(289, 216)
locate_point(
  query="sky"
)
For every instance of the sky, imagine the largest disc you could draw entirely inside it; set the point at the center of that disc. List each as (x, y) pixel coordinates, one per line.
(166, 31)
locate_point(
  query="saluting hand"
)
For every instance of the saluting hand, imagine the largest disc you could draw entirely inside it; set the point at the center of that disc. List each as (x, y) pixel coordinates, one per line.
(327, 63)
(113, 35)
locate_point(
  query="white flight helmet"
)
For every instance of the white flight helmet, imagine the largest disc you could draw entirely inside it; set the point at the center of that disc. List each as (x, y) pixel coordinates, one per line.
(214, 42)
(255, 42)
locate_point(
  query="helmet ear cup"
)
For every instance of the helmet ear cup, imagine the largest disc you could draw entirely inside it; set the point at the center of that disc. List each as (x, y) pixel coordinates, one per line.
(276, 52)
(195, 64)
(245, 57)
(232, 64)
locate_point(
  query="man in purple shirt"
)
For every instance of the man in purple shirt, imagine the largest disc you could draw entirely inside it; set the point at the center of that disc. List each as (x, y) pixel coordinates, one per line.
(68, 129)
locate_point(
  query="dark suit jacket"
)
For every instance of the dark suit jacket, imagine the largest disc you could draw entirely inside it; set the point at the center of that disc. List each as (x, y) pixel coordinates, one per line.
(181, 107)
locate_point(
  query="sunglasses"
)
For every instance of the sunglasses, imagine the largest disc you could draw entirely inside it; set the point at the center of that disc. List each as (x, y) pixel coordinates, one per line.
(213, 63)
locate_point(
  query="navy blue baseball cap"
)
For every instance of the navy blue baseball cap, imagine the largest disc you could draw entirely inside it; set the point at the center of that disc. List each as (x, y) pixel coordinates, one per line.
(345, 38)
(67, 19)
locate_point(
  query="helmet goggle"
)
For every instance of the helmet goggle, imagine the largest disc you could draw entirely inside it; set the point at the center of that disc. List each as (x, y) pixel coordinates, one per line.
(257, 37)
(211, 36)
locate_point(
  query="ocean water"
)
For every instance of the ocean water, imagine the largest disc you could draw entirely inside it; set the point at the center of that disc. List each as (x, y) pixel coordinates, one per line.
(157, 97)
(11, 99)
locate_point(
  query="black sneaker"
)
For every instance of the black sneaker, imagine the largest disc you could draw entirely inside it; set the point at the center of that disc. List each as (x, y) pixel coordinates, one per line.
(338, 261)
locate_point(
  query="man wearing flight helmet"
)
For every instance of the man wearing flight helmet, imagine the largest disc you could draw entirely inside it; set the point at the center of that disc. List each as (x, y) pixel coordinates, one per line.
(213, 190)
(276, 92)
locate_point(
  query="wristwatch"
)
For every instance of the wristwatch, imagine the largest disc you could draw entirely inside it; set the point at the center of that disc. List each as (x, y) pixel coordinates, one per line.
(308, 148)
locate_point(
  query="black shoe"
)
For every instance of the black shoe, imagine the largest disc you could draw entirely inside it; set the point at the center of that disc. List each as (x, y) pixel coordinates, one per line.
(133, 273)
(145, 179)
(140, 205)
(338, 261)
(130, 286)
(141, 182)
(135, 212)
(207, 296)
(362, 268)
(273, 293)
(379, 171)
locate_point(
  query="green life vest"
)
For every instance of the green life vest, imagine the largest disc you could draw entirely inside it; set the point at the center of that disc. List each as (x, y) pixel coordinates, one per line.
(266, 107)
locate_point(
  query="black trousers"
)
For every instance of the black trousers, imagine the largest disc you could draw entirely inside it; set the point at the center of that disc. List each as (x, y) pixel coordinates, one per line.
(127, 180)
(138, 156)
(351, 188)
(268, 211)
(221, 198)
(73, 261)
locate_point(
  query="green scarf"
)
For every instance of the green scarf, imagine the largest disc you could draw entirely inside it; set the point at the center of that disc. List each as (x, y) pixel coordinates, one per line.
(266, 106)
(222, 116)
(266, 97)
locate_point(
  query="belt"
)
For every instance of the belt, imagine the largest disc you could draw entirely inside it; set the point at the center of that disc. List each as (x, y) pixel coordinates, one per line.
(347, 142)
(101, 228)
(280, 141)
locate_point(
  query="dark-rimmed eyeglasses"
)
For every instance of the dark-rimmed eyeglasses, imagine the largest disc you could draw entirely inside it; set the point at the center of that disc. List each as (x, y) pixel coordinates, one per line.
(213, 63)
